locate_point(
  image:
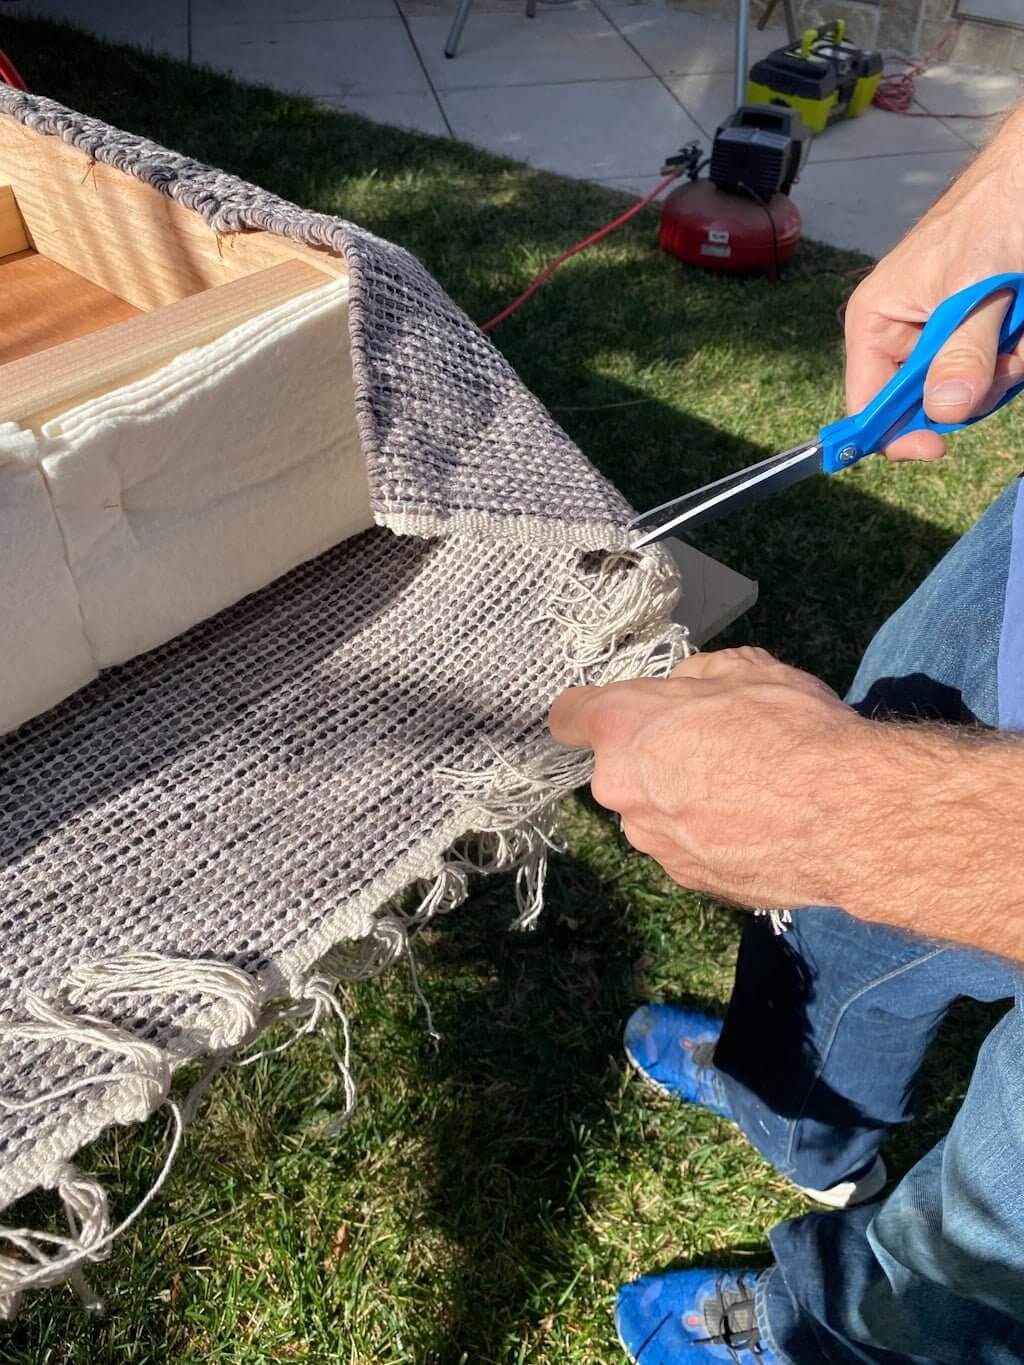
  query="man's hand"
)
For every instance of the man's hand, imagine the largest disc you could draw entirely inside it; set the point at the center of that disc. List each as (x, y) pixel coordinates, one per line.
(753, 782)
(975, 230)
(719, 772)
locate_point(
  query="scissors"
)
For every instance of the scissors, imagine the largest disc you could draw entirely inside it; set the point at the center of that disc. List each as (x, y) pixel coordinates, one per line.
(895, 410)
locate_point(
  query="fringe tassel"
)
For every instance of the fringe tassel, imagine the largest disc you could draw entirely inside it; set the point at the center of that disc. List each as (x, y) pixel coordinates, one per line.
(49, 1258)
(615, 624)
(145, 1076)
(616, 620)
(85, 1207)
(360, 959)
(237, 1012)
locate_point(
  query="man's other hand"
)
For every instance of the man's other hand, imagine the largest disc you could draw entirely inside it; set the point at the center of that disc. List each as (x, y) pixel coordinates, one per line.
(720, 771)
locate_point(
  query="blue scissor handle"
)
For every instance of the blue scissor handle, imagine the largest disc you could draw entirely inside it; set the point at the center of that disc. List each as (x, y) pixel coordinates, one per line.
(899, 407)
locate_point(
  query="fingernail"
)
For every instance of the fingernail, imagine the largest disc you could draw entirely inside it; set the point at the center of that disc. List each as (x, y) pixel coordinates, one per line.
(951, 393)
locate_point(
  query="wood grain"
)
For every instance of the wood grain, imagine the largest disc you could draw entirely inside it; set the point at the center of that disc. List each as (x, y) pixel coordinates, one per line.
(48, 382)
(43, 305)
(124, 235)
(12, 229)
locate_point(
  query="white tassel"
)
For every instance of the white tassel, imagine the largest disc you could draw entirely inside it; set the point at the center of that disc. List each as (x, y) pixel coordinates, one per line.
(145, 1076)
(781, 919)
(617, 620)
(237, 1011)
(89, 1240)
(361, 959)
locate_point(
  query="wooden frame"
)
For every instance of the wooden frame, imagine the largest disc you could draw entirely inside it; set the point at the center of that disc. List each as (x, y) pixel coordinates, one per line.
(102, 278)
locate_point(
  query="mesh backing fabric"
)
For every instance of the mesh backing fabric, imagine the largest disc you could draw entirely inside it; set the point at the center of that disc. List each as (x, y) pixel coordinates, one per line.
(260, 788)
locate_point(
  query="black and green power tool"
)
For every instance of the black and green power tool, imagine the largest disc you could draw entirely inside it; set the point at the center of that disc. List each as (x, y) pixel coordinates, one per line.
(823, 77)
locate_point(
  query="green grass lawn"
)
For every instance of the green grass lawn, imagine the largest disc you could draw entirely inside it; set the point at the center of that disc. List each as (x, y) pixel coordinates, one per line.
(492, 1192)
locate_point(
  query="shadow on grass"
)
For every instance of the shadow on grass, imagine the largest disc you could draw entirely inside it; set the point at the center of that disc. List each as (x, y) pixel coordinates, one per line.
(532, 1060)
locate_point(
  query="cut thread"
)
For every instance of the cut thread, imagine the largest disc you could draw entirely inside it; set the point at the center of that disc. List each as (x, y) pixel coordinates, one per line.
(362, 959)
(615, 621)
(85, 1207)
(90, 1239)
(147, 1078)
(318, 1000)
(614, 625)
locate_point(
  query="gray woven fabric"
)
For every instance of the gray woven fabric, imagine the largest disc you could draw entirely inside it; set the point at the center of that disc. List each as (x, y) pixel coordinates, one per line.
(259, 789)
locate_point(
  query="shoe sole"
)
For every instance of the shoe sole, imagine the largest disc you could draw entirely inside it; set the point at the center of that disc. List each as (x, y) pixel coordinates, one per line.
(633, 1358)
(845, 1195)
(649, 1080)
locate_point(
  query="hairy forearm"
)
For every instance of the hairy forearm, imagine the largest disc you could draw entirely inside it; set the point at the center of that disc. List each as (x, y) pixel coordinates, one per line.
(936, 843)
(754, 783)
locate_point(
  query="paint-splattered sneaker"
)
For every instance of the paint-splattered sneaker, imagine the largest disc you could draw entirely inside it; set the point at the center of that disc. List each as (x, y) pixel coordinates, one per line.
(673, 1050)
(685, 1317)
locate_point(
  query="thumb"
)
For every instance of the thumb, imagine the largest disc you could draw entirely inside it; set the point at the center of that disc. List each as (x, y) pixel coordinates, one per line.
(569, 718)
(961, 375)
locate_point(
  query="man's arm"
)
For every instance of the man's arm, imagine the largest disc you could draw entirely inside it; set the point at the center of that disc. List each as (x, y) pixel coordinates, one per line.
(753, 782)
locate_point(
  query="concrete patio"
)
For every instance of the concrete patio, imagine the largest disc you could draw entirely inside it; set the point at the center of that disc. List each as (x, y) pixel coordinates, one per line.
(600, 89)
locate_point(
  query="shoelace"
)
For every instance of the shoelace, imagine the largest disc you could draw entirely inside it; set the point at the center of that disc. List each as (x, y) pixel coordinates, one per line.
(731, 1321)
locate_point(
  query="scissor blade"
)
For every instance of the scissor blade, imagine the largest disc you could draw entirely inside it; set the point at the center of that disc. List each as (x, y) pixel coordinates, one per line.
(728, 494)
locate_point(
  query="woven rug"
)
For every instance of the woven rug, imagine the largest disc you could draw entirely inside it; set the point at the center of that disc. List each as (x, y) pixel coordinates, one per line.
(205, 839)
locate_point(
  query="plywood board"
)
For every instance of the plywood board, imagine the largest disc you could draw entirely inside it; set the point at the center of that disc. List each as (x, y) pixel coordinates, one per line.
(12, 229)
(713, 595)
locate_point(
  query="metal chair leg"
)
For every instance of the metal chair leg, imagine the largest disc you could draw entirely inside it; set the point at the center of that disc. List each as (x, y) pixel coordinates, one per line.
(531, 9)
(458, 24)
(742, 48)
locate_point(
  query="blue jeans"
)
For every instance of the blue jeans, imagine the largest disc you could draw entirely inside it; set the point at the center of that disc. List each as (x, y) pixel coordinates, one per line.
(829, 1023)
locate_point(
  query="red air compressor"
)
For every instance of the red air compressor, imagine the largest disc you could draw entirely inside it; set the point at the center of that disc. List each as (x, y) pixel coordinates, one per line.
(739, 219)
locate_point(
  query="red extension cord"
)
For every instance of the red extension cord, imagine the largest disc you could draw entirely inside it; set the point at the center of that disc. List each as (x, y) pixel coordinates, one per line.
(9, 73)
(552, 266)
(895, 94)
